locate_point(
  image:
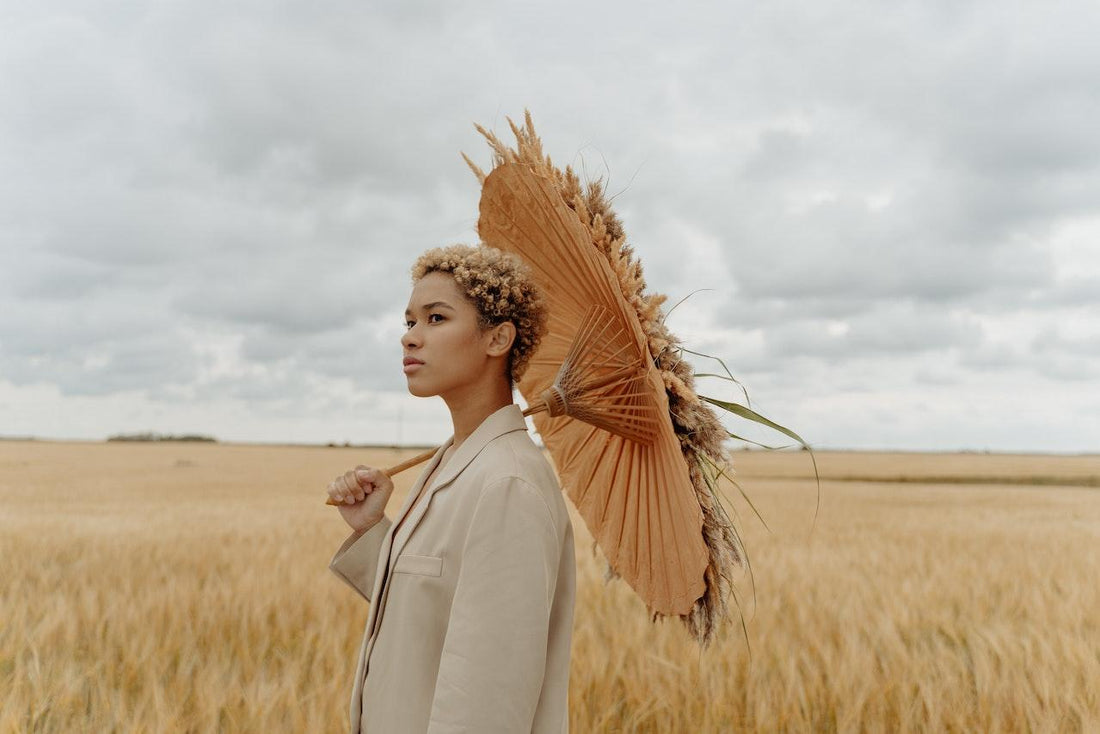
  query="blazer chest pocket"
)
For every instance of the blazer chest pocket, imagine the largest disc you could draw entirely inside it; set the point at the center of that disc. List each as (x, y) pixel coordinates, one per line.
(419, 565)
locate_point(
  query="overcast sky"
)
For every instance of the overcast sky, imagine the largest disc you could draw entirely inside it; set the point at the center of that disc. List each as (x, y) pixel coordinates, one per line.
(208, 210)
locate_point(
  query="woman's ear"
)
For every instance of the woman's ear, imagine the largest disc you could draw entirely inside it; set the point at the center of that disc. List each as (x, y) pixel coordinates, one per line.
(501, 338)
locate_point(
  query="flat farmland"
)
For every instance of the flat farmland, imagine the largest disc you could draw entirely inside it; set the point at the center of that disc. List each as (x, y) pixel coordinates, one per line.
(183, 587)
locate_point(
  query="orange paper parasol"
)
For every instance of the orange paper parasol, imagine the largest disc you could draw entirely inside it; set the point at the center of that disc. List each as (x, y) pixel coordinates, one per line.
(649, 499)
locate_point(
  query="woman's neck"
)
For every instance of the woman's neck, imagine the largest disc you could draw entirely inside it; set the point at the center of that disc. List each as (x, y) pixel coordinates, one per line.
(468, 413)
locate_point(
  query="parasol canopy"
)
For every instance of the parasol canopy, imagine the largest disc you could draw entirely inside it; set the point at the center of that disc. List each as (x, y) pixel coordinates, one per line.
(635, 496)
(647, 497)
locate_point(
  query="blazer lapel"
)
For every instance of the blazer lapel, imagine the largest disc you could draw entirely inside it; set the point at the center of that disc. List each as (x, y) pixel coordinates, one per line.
(415, 490)
(384, 554)
(507, 419)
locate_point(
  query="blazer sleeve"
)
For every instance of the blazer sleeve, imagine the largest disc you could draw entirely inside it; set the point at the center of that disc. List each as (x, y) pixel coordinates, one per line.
(357, 560)
(494, 653)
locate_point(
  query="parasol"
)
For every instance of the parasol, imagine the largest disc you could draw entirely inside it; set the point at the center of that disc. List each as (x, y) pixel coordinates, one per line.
(650, 501)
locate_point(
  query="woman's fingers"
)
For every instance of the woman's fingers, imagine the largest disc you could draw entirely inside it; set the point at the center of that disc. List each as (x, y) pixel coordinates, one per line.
(367, 477)
(354, 485)
(339, 491)
(334, 492)
(350, 488)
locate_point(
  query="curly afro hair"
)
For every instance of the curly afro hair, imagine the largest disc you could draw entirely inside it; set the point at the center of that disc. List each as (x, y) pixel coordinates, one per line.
(500, 287)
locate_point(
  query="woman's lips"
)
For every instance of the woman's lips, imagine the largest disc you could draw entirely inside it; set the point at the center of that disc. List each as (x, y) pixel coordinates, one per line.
(412, 364)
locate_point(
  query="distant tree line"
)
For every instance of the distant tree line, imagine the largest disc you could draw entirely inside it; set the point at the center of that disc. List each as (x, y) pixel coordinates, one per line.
(150, 436)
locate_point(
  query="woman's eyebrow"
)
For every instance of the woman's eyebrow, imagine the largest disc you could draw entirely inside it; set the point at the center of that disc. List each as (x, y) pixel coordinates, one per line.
(430, 306)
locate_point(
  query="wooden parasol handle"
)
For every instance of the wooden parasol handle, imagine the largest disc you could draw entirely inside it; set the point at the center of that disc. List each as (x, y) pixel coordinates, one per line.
(421, 458)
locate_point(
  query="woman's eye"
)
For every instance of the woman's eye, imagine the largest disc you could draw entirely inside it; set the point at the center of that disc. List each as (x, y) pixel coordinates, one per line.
(433, 318)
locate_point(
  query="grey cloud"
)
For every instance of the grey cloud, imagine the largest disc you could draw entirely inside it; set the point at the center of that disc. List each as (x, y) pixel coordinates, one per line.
(936, 378)
(990, 356)
(33, 327)
(367, 353)
(1049, 353)
(39, 275)
(143, 362)
(352, 102)
(914, 120)
(1074, 291)
(1060, 367)
(296, 295)
(898, 328)
(1059, 357)
(1053, 339)
(260, 387)
(778, 155)
(749, 312)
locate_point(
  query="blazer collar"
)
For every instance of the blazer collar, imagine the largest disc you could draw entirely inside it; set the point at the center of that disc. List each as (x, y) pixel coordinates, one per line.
(505, 420)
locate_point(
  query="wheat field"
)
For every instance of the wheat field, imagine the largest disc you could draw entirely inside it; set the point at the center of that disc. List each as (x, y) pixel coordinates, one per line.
(183, 587)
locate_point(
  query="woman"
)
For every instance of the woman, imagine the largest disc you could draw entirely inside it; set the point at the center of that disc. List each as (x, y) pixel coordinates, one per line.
(472, 583)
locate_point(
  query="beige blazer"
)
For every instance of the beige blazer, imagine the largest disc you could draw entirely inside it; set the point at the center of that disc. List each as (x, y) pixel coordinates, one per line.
(472, 622)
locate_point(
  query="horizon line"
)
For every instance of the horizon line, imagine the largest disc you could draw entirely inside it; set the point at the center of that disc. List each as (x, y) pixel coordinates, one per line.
(424, 446)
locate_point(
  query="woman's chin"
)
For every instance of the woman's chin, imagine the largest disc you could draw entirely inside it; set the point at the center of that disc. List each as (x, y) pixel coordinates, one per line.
(419, 390)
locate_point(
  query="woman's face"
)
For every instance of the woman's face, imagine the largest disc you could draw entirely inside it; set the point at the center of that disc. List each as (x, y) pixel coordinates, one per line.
(445, 348)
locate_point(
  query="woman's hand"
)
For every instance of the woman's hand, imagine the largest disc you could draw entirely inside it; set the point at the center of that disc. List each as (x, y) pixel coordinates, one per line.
(361, 494)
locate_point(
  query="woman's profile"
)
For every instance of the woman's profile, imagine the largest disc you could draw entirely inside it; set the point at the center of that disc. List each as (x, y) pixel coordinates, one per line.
(472, 582)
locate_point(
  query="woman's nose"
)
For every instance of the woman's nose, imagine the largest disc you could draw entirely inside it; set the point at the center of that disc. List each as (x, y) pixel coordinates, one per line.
(409, 338)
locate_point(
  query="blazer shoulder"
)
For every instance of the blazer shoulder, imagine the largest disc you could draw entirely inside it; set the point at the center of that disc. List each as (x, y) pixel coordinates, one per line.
(515, 457)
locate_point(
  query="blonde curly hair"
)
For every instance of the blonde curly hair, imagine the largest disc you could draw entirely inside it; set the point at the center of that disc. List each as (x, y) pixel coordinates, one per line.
(501, 288)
